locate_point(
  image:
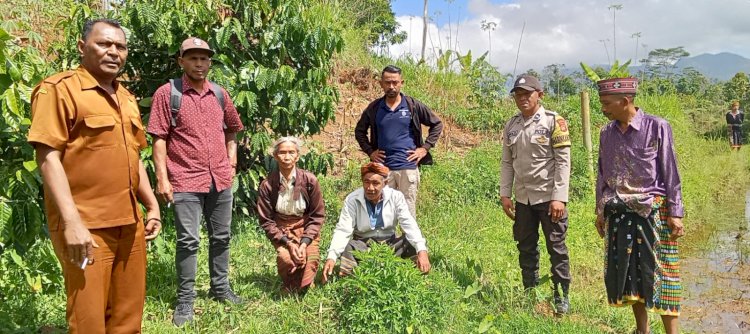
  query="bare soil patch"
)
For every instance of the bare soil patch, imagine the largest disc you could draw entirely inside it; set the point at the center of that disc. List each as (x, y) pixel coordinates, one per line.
(357, 88)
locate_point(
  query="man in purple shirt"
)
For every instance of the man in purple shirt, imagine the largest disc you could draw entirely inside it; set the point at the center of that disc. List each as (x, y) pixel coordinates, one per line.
(639, 207)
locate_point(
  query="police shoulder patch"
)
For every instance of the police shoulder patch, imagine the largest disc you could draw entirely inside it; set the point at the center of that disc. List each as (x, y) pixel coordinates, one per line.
(560, 136)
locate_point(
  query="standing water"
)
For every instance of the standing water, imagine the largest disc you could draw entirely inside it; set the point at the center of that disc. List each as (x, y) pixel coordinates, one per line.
(717, 282)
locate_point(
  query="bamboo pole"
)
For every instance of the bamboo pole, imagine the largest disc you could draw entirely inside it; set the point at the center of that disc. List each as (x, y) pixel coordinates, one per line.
(586, 120)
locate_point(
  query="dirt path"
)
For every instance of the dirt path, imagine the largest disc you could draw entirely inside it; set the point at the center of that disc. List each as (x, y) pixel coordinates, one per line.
(717, 283)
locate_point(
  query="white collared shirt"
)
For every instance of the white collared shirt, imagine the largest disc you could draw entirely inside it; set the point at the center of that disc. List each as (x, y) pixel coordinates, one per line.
(286, 204)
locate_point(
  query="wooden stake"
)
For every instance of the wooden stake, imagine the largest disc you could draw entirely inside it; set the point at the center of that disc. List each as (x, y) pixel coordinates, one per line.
(586, 120)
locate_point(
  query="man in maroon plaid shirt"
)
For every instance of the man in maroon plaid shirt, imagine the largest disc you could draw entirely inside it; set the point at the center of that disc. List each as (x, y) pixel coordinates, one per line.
(195, 154)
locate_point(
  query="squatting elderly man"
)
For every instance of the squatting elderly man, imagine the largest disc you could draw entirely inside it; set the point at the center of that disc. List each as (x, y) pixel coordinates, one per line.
(372, 213)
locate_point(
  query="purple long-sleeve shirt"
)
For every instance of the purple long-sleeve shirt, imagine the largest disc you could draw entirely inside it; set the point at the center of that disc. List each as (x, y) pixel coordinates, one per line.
(638, 164)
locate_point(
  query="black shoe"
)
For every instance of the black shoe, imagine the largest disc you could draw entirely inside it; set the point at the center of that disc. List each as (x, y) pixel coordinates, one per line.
(562, 303)
(228, 297)
(183, 313)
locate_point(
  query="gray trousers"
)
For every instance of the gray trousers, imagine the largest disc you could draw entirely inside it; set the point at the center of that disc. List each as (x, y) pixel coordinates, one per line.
(526, 235)
(216, 208)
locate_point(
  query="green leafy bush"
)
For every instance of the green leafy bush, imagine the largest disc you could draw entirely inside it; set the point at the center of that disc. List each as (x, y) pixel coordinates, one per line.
(21, 216)
(616, 71)
(387, 294)
(273, 57)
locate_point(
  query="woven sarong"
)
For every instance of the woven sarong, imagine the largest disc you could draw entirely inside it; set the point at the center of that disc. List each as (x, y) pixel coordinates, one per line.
(735, 136)
(641, 263)
(295, 277)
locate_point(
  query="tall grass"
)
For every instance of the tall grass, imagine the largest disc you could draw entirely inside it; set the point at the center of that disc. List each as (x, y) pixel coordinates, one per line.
(471, 248)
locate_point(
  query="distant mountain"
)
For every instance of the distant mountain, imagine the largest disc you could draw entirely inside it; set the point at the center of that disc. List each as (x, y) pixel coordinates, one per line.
(722, 66)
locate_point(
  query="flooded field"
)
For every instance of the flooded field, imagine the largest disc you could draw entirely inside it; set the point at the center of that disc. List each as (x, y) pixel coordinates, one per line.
(717, 282)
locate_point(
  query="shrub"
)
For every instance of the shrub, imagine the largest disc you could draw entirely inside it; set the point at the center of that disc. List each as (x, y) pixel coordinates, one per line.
(386, 294)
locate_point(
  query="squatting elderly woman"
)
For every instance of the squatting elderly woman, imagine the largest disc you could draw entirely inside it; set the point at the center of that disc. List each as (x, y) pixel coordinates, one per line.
(291, 211)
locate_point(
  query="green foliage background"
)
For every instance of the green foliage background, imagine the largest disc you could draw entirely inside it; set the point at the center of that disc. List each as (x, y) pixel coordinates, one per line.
(273, 57)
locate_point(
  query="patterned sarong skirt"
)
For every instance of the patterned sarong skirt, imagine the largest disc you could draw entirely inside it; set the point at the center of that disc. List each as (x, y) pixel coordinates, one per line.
(735, 136)
(641, 263)
(295, 277)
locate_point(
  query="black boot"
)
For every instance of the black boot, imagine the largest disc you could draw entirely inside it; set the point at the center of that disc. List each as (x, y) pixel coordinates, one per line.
(530, 283)
(562, 303)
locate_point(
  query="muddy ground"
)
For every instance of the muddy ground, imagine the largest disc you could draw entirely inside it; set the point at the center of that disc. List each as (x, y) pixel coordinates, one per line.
(717, 283)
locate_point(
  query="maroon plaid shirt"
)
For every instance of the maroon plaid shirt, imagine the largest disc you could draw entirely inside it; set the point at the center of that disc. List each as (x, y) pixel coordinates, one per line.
(196, 148)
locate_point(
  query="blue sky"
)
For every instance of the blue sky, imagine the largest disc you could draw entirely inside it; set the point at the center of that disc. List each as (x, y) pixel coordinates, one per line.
(444, 8)
(568, 32)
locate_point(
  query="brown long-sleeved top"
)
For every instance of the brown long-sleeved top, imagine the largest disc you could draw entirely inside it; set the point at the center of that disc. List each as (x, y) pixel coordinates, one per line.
(306, 185)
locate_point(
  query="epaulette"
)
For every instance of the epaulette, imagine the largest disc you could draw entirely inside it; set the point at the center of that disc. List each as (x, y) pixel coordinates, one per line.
(55, 79)
(127, 91)
(550, 112)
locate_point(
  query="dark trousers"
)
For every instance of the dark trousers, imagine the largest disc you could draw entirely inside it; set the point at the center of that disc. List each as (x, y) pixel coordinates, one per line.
(526, 235)
(216, 208)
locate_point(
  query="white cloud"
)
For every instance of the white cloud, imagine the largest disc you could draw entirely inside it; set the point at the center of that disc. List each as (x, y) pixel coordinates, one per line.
(569, 32)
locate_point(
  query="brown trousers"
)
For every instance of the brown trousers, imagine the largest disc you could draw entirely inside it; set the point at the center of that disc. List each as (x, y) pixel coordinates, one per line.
(294, 277)
(108, 296)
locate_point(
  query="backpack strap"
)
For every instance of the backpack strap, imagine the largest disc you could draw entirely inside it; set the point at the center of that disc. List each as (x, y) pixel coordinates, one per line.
(219, 93)
(175, 98)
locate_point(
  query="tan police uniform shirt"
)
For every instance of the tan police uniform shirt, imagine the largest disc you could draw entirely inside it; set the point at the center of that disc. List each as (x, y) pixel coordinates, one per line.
(100, 140)
(536, 156)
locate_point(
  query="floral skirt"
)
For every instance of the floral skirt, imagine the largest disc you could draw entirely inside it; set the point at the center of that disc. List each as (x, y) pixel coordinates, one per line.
(642, 263)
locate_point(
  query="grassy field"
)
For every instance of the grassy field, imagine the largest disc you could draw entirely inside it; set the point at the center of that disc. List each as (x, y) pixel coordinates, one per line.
(475, 270)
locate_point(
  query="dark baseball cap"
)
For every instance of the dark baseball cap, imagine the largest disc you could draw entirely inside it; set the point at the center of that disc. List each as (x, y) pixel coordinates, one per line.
(527, 82)
(194, 43)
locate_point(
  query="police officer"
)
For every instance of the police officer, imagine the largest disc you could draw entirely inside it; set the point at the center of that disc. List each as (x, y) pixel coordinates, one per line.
(536, 156)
